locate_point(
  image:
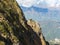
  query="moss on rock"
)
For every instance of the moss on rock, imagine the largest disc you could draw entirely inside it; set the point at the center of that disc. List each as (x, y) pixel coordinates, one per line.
(14, 29)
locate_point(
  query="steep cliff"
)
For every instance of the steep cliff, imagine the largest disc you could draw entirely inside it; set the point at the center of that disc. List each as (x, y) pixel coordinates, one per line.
(37, 29)
(14, 29)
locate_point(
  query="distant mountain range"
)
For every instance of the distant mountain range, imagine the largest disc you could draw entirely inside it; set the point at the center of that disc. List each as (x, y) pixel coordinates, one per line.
(50, 29)
(35, 9)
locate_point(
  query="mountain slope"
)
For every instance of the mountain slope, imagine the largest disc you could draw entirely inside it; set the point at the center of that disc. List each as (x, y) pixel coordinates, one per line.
(14, 29)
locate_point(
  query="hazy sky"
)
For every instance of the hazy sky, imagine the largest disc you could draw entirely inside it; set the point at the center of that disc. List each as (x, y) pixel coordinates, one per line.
(37, 3)
(41, 9)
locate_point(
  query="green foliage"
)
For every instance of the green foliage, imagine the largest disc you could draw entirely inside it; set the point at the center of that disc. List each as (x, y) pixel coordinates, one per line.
(13, 25)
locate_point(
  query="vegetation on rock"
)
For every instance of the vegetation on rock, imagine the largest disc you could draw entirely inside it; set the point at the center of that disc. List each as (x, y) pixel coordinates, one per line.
(14, 29)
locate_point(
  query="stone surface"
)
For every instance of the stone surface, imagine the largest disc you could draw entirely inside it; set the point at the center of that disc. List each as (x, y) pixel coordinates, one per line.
(35, 26)
(14, 29)
(37, 29)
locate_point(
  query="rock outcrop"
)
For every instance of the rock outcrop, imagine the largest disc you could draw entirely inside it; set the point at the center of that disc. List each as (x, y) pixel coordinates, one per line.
(14, 29)
(35, 26)
(37, 29)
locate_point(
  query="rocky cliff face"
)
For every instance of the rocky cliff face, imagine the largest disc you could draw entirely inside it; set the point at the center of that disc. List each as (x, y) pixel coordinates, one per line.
(37, 29)
(14, 29)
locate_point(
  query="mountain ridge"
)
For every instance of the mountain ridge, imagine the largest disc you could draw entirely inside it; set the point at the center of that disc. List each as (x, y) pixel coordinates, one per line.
(14, 29)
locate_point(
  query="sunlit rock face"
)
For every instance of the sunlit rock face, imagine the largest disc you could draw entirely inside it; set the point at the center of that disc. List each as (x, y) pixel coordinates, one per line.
(14, 29)
(35, 26)
(37, 29)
